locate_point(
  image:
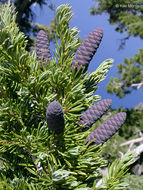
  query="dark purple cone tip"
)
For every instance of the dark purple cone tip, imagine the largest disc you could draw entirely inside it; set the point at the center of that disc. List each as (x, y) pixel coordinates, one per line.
(88, 48)
(55, 117)
(107, 129)
(42, 47)
(94, 113)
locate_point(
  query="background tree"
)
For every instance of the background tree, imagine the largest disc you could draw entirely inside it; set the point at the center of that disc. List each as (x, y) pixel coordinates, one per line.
(25, 14)
(25, 17)
(127, 16)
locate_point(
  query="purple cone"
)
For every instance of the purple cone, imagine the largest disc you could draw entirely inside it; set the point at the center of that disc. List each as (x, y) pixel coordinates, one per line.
(107, 129)
(42, 47)
(55, 117)
(86, 51)
(94, 112)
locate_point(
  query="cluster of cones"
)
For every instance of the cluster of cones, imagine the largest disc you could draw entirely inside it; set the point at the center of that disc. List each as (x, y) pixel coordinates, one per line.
(83, 55)
(82, 58)
(56, 123)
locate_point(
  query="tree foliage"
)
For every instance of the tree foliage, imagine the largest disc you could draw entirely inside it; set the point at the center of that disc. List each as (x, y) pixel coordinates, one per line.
(31, 155)
(25, 19)
(133, 126)
(127, 16)
(136, 182)
(25, 14)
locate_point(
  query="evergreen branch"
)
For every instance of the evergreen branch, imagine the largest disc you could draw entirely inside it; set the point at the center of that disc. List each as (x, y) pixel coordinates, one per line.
(116, 172)
(30, 146)
(98, 75)
(130, 76)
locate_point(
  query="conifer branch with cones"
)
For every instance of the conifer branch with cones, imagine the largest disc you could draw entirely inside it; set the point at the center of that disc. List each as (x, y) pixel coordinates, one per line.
(47, 111)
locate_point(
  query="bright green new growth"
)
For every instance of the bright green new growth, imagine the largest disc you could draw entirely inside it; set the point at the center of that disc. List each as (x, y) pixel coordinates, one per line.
(117, 172)
(31, 156)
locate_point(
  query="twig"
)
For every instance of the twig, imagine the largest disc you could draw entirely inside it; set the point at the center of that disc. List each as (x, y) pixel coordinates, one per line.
(123, 42)
(39, 169)
(132, 141)
(137, 85)
(139, 149)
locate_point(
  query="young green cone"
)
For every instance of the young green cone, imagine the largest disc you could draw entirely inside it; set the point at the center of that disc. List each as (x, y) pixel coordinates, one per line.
(107, 129)
(94, 112)
(42, 47)
(55, 117)
(86, 51)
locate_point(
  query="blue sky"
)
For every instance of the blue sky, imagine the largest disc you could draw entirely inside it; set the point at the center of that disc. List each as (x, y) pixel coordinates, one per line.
(108, 47)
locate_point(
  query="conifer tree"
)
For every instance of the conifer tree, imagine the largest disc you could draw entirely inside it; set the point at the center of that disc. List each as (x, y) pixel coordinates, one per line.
(42, 141)
(127, 16)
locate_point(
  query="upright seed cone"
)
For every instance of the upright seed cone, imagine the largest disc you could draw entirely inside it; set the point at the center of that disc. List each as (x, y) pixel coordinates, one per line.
(94, 112)
(86, 51)
(107, 129)
(42, 47)
(55, 117)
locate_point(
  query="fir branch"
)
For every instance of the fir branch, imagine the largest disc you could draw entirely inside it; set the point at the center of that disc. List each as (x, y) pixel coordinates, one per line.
(116, 172)
(27, 146)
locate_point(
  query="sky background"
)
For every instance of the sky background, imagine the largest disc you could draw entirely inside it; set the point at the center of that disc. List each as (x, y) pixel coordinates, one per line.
(108, 47)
